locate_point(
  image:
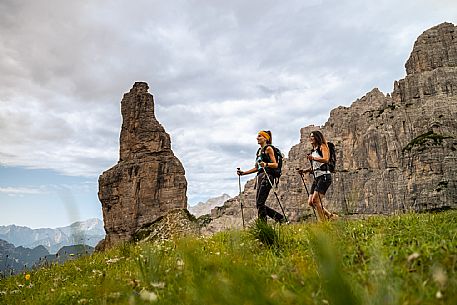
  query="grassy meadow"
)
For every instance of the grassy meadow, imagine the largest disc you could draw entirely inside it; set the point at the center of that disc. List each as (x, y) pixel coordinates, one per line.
(407, 259)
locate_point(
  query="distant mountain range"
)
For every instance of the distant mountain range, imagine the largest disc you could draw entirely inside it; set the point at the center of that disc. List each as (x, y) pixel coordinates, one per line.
(88, 232)
(66, 253)
(14, 260)
(203, 208)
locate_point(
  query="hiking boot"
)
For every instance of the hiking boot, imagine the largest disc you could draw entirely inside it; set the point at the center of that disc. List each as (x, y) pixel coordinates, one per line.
(284, 221)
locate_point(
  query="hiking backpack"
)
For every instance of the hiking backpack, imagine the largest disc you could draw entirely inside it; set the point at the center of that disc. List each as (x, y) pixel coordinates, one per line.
(331, 165)
(275, 172)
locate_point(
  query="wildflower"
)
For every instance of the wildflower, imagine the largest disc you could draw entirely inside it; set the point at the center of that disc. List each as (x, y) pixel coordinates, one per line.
(180, 263)
(114, 295)
(413, 257)
(27, 277)
(134, 282)
(113, 260)
(439, 295)
(148, 295)
(440, 277)
(159, 285)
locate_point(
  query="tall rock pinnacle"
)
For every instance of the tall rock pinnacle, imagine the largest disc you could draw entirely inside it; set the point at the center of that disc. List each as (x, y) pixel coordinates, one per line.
(148, 180)
(141, 133)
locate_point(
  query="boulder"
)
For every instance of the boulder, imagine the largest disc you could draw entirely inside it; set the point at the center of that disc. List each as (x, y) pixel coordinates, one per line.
(176, 223)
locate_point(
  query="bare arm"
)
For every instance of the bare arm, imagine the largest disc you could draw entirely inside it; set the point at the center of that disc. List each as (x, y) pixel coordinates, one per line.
(304, 171)
(250, 171)
(325, 155)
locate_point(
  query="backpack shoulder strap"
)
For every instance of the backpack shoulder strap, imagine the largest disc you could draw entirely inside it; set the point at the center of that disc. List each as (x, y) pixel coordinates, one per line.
(264, 149)
(266, 146)
(319, 151)
(259, 152)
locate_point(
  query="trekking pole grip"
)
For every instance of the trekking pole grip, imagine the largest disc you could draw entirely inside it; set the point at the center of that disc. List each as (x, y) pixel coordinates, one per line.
(240, 198)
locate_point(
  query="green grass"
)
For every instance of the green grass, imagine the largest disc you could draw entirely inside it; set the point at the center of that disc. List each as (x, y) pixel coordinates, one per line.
(408, 259)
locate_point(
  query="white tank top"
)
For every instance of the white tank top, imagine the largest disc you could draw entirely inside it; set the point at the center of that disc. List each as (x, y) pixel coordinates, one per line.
(316, 165)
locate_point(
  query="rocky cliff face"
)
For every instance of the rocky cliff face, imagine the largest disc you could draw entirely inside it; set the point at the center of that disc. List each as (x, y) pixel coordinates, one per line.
(395, 152)
(148, 180)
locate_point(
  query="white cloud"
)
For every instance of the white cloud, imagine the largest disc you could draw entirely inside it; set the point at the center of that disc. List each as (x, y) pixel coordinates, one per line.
(219, 72)
(46, 189)
(20, 191)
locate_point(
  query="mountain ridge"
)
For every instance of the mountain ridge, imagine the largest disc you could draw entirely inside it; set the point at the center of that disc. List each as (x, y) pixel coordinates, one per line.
(88, 232)
(14, 260)
(203, 208)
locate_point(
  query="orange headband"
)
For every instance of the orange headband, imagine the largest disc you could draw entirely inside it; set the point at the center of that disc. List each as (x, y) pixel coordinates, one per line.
(264, 134)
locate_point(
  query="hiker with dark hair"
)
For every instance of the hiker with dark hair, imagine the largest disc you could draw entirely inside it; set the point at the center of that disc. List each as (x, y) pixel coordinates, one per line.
(319, 159)
(264, 166)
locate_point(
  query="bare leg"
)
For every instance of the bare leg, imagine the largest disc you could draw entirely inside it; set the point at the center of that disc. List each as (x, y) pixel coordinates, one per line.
(312, 205)
(323, 213)
(316, 202)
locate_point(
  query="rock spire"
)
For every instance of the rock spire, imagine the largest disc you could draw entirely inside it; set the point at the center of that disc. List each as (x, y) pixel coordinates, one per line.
(148, 181)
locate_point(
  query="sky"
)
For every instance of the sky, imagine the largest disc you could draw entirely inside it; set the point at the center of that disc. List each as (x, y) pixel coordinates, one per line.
(219, 71)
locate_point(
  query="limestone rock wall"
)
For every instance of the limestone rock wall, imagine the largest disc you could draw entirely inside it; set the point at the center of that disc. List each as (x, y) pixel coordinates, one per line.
(395, 152)
(148, 181)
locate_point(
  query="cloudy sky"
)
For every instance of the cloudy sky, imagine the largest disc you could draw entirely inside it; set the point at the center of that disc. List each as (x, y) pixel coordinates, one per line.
(219, 72)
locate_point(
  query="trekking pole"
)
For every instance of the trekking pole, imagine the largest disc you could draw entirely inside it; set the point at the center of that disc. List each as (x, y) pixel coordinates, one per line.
(274, 192)
(241, 200)
(320, 200)
(307, 192)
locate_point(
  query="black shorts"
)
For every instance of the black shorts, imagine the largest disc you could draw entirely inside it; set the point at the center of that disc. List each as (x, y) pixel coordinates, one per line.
(321, 184)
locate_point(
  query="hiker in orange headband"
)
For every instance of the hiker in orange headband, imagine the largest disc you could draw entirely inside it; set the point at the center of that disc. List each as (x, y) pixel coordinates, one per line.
(265, 165)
